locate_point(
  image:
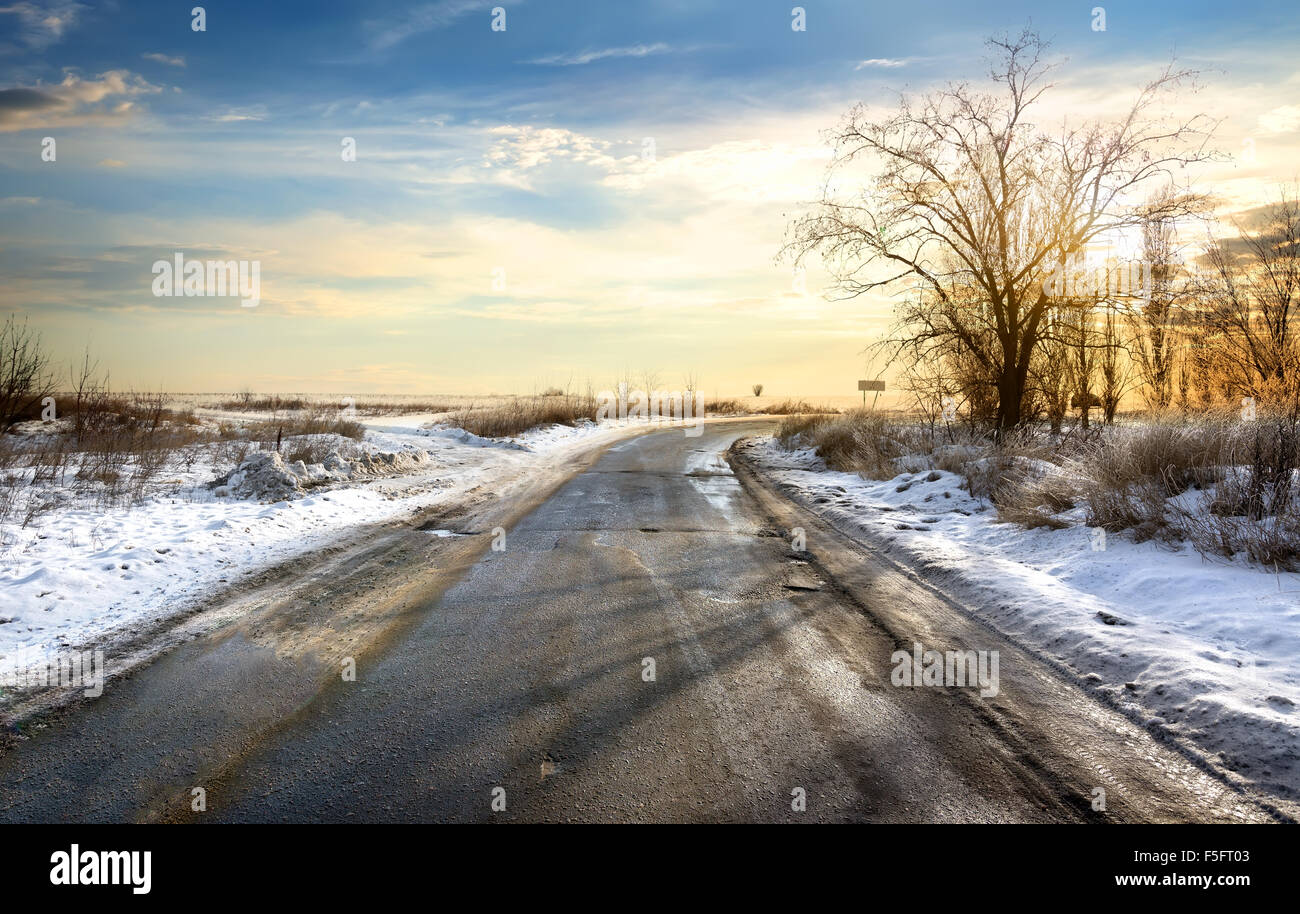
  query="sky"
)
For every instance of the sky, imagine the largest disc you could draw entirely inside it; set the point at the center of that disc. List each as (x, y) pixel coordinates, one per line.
(592, 191)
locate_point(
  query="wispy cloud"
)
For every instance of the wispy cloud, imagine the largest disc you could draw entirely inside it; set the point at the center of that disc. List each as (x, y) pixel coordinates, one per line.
(425, 18)
(1283, 119)
(888, 63)
(41, 24)
(590, 56)
(234, 115)
(163, 58)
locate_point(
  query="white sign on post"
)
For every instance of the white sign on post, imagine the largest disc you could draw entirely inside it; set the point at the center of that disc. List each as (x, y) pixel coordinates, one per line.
(865, 386)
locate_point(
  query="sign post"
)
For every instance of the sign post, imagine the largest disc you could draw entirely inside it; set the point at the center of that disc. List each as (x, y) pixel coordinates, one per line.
(865, 386)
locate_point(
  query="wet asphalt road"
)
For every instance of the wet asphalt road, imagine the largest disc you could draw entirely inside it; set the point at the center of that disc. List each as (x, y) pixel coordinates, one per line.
(645, 645)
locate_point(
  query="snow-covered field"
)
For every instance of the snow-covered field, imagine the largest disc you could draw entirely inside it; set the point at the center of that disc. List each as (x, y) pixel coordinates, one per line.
(80, 572)
(1209, 651)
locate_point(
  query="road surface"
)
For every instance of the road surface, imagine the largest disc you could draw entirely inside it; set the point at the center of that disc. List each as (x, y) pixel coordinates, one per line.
(643, 644)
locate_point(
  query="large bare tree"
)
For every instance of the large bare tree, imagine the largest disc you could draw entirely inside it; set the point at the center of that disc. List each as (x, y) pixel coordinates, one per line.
(975, 203)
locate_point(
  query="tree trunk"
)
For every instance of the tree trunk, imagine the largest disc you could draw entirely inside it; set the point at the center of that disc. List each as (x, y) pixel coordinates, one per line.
(1011, 395)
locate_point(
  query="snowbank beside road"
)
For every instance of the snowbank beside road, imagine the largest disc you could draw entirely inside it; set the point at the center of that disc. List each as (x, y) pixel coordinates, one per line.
(1207, 651)
(78, 573)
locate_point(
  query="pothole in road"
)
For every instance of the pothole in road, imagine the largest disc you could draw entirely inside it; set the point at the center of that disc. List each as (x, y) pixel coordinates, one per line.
(802, 581)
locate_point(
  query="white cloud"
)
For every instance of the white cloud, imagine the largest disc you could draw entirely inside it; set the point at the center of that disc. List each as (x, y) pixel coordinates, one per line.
(74, 102)
(529, 147)
(590, 56)
(426, 18)
(163, 58)
(234, 115)
(1282, 119)
(888, 63)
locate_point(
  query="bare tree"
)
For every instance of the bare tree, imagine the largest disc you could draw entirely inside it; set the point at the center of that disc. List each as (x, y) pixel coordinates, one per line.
(90, 396)
(1049, 372)
(969, 194)
(1254, 297)
(1113, 361)
(757, 389)
(933, 392)
(25, 378)
(1082, 349)
(650, 381)
(690, 382)
(1159, 322)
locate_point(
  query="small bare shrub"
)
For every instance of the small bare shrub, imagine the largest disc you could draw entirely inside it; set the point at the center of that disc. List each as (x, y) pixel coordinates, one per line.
(315, 448)
(792, 428)
(861, 441)
(25, 377)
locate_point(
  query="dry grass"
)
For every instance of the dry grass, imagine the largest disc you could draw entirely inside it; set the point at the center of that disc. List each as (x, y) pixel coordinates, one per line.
(794, 428)
(1229, 487)
(104, 448)
(315, 420)
(519, 414)
(995, 471)
(263, 404)
(860, 441)
(724, 407)
(1126, 477)
(314, 449)
(1272, 542)
(794, 407)
(366, 406)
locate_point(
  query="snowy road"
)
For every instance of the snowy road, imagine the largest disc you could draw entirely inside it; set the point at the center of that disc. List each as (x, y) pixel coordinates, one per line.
(643, 643)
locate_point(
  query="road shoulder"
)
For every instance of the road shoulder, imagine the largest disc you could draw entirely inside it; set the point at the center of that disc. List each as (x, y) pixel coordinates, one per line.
(1045, 708)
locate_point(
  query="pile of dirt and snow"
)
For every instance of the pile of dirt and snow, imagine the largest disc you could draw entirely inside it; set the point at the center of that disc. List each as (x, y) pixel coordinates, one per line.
(264, 475)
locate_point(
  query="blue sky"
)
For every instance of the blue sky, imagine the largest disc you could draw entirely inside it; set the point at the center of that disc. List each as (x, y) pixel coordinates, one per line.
(522, 151)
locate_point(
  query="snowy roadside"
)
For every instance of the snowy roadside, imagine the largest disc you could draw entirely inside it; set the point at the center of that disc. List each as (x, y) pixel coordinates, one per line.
(79, 575)
(1208, 651)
